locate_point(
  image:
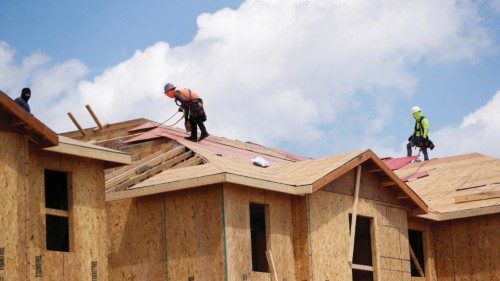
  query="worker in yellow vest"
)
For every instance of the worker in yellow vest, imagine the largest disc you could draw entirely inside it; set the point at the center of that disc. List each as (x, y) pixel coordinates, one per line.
(192, 106)
(420, 136)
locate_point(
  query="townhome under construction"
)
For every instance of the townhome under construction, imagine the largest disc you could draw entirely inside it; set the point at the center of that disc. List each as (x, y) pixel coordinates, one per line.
(136, 201)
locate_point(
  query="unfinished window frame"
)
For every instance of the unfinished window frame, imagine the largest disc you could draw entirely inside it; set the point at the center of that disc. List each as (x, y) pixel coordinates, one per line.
(59, 213)
(266, 268)
(373, 254)
(420, 267)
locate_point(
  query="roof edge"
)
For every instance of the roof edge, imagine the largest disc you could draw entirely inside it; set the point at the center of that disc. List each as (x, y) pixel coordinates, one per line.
(73, 147)
(48, 136)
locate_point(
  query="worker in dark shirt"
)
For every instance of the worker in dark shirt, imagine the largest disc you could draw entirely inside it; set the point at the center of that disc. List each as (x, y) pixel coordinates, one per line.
(23, 99)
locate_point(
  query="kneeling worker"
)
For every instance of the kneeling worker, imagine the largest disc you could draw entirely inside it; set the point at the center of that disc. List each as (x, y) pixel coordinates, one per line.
(192, 106)
(420, 136)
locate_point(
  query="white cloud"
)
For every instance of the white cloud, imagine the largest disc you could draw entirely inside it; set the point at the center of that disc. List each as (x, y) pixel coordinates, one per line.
(300, 72)
(478, 132)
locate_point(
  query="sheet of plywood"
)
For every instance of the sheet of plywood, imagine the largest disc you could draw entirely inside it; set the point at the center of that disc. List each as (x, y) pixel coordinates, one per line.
(195, 234)
(137, 238)
(13, 203)
(468, 248)
(237, 200)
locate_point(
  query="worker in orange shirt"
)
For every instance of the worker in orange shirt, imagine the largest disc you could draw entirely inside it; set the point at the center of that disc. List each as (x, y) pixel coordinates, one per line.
(192, 106)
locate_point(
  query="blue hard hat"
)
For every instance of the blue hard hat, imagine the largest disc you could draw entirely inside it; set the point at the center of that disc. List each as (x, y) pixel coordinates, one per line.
(168, 86)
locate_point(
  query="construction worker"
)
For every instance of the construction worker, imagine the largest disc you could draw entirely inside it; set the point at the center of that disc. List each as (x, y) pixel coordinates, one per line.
(192, 106)
(420, 136)
(23, 99)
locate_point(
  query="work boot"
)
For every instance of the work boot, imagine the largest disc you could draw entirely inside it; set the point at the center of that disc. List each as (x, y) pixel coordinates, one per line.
(203, 136)
(191, 138)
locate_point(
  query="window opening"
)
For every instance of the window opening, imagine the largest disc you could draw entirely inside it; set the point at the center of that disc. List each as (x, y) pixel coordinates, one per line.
(362, 269)
(258, 233)
(415, 238)
(56, 211)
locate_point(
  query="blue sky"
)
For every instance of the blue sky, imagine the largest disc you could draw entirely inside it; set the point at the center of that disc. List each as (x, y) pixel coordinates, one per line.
(313, 77)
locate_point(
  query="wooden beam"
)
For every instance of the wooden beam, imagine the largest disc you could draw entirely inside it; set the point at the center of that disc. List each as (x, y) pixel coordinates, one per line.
(57, 213)
(415, 261)
(362, 267)
(354, 213)
(272, 268)
(387, 183)
(144, 166)
(155, 170)
(96, 120)
(477, 196)
(190, 162)
(82, 131)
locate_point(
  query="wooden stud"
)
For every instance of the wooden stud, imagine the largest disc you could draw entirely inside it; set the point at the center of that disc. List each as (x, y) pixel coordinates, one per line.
(96, 120)
(354, 213)
(415, 261)
(362, 267)
(149, 173)
(272, 268)
(144, 167)
(82, 131)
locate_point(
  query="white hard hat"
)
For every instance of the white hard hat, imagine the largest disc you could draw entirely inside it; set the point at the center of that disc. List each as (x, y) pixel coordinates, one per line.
(415, 109)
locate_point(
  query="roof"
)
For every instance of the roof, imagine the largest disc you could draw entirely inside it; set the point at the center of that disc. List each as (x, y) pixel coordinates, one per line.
(164, 161)
(456, 187)
(15, 119)
(110, 157)
(297, 178)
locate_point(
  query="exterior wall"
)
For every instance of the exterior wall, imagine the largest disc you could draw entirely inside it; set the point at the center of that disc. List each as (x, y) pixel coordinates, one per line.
(87, 258)
(172, 236)
(328, 212)
(22, 215)
(468, 249)
(13, 196)
(237, 199)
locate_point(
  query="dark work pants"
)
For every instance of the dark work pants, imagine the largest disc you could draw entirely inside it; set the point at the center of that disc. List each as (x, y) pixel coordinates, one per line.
(196, 122)
(424, 150)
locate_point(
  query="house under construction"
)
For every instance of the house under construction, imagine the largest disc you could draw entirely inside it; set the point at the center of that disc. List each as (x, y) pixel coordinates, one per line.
(181, 210)
(203, 211)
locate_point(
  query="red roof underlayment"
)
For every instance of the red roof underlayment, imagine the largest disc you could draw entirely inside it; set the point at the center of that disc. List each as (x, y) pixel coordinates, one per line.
(240, 151)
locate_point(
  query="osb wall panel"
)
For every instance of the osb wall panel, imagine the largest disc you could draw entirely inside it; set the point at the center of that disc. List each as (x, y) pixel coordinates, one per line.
(87, 220)
(300, 237)
(428, 241)
(329, 237)
(236, 205)
(468, 249)
(137, 238)
(173, 236)
(195, 245)
(13, 202)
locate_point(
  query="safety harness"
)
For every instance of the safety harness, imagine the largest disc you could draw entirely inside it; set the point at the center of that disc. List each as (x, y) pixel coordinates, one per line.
(419, 128)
